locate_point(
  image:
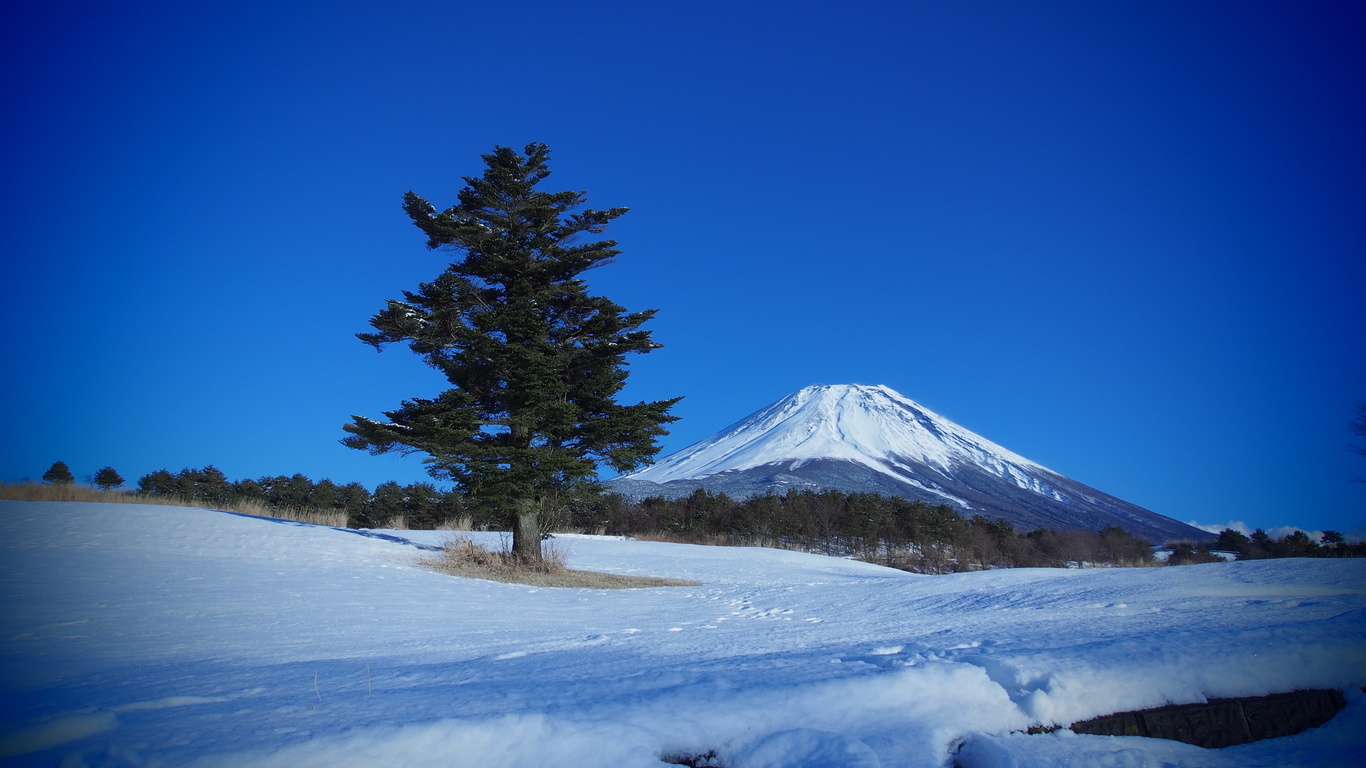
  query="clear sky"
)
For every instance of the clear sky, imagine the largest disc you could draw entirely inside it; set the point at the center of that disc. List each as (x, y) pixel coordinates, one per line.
(1125, 239)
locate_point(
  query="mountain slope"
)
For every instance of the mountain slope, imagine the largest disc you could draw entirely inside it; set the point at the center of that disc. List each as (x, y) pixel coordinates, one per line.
(871, 439)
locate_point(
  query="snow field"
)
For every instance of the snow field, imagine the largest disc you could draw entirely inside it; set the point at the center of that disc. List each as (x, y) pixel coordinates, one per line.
(142, 635)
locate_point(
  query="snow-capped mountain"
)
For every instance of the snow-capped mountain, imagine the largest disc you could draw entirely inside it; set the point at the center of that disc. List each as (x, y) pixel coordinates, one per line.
(858, 438)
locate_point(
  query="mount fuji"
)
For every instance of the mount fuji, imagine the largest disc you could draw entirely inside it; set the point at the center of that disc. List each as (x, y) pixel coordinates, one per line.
(871, 439)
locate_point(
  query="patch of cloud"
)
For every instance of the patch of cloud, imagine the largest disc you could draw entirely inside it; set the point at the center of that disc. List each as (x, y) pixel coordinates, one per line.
(1237, 525)
(1354, 536)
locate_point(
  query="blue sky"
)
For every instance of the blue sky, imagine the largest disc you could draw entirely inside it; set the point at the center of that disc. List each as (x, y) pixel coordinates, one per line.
(1126, 240)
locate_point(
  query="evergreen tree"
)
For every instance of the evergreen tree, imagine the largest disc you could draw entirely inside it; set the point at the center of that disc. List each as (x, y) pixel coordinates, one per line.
(58, 474)
(386, 504)
(535, 361)
(158, 483)
(294, 492)
(1232, 541)
(208, 485)
(353, 498)
(326, 495)
(108, 478)
(247, 490)
(421, 506)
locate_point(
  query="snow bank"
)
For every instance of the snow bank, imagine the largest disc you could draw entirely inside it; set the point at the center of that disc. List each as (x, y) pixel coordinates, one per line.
(142, 635)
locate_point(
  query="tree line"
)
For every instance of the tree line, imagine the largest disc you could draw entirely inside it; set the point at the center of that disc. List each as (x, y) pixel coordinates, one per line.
(422, 505)
(1262, 545)
(912, 535)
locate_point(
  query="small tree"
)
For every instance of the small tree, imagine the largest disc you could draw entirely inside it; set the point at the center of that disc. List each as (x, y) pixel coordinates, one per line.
(1232, 541)
(535, 361)
(107, 479)
(158, 483)
(58, 474)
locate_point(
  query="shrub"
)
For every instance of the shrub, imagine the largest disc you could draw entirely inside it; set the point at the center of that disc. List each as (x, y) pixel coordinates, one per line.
(462, 557)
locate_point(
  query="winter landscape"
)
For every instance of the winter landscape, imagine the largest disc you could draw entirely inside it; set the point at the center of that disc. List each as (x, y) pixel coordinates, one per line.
(135, 635)
(1115, 246)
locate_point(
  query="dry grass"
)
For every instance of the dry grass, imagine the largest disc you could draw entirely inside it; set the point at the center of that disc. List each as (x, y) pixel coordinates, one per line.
(251, 507)
(462, 557)
(73, 492)
(312, 515)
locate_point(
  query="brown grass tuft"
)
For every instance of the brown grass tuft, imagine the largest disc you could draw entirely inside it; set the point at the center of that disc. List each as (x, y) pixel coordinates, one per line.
(461, 523)
(462, 557)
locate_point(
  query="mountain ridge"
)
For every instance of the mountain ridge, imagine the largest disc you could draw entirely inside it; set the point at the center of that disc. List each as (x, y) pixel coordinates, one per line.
(871, 439)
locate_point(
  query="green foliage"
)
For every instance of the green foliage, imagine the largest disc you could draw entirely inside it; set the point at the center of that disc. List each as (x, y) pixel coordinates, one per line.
(205, 486)
(534, 360)
(1261, 545)
(58, 474)
(913, 535)
(386, 503)
(158, 483)
(107, 478)
(422, 504)
(1231, 541)
(1188, 553)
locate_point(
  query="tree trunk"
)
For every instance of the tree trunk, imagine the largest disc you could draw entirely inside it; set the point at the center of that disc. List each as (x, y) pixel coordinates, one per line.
(526, 532)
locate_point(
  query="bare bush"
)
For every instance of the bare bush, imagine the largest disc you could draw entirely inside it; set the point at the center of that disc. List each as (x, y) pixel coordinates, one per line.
(459, 523)
(462, 557)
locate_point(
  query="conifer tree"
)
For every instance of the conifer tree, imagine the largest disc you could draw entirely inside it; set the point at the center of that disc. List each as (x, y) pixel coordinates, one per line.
(535, 361)
(58, 474)
(108, 478)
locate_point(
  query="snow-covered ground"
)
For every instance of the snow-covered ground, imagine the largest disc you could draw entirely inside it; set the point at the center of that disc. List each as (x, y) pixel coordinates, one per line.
(146, 635)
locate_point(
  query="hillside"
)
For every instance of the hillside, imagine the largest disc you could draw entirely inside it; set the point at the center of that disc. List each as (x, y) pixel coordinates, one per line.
(141, 635)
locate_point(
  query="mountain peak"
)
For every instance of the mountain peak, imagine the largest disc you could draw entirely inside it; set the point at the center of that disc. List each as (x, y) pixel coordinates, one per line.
(871, 438)
(871, 425)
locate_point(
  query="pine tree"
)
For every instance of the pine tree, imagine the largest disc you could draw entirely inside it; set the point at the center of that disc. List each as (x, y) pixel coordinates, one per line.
(108, 478)
(535, 361)
(58, 474)
(158, 483)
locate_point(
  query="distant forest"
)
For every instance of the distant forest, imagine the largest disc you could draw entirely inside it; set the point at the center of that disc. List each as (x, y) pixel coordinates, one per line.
(905, 534)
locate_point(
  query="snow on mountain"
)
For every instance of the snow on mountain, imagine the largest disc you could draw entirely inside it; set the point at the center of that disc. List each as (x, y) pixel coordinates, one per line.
(871, 425)
(855, 437)
(136, 635)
